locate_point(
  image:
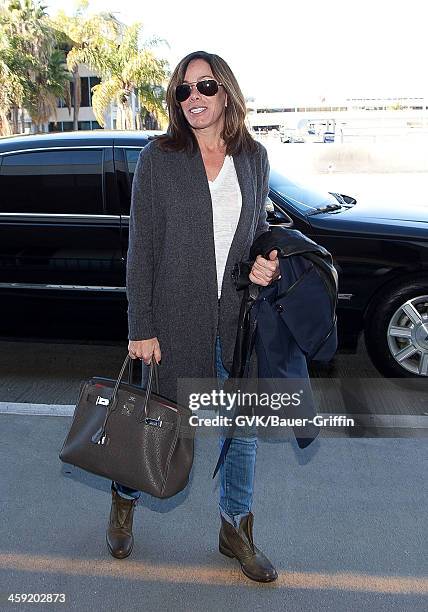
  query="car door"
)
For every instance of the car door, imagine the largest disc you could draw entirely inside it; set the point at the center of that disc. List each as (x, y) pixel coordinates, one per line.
(125, 159)
(55, 230)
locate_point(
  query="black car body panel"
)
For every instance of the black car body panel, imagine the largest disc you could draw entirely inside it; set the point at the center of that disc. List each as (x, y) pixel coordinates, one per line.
(370, 249)
(64, 219)
(61, 211)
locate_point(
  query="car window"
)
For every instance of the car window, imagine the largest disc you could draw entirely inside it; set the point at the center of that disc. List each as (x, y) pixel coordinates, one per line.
(131, 156)
(56, 181)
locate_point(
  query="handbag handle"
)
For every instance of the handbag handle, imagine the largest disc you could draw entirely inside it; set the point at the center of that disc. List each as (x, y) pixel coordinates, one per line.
(153, 366)
(131, 373)
(153, 370)
(98, 435)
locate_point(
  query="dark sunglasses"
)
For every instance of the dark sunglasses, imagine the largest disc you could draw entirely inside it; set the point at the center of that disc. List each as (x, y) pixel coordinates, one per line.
(207, 87)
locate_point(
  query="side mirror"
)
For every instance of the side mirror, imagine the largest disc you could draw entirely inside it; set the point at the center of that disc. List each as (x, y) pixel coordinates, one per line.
(276, 216)
(349, 199)
(270, 208)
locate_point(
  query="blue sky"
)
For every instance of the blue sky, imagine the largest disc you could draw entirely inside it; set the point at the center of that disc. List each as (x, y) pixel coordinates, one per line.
(282, 52)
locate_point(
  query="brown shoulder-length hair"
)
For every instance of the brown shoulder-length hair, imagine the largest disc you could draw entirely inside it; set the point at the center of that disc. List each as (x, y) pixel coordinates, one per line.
(179, 135)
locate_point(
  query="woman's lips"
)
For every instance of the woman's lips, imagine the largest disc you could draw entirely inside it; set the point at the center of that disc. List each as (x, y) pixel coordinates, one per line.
(196, 111)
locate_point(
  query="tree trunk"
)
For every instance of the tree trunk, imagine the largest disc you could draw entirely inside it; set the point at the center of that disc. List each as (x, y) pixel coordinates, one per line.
(124, 116)
(129, 122)
(14, 112)
(5, 125)
(22, 121)
(76, 98)
(124, 111)
(132, 110)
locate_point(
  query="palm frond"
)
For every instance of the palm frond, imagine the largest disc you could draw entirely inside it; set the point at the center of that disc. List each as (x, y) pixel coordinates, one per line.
(103, 94)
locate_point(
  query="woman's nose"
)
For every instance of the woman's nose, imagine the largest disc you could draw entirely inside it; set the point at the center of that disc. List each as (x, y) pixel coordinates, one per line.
(194, 93)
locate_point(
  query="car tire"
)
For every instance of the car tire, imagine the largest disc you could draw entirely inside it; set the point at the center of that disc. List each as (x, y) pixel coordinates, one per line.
(396, 330)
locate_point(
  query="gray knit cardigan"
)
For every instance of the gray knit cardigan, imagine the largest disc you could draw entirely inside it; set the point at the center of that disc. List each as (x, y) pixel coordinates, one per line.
(171, 280)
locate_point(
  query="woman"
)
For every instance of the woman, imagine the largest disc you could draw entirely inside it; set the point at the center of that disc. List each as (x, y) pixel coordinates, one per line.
(198, 202)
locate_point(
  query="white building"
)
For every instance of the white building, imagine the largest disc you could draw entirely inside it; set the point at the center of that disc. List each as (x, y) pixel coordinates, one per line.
(356, 115)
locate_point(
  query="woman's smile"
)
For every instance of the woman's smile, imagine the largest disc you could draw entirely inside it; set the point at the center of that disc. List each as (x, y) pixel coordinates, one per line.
(197, 110)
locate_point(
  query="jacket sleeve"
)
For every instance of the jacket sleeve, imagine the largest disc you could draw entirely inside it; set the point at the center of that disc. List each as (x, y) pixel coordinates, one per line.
(263, 225)
(139, 264)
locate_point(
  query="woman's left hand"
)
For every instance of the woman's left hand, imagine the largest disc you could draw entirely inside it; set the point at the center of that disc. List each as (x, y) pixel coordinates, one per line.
(265, 271)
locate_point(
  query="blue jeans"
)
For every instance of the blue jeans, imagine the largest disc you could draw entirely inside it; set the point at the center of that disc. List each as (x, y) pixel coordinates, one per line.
(237, 471)
(238, 468)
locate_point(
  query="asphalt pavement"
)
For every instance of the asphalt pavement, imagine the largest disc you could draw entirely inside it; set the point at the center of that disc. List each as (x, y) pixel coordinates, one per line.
(343, 521)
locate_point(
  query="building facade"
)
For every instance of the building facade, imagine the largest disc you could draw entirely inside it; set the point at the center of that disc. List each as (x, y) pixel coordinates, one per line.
(357, 116)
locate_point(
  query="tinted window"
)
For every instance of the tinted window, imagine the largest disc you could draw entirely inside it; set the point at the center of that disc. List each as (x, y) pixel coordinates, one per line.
(131, 156)
(68, 181)
(84, 91)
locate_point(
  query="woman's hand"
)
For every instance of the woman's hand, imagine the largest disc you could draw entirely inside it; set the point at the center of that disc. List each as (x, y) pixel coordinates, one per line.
(144, 349)
(265, 271)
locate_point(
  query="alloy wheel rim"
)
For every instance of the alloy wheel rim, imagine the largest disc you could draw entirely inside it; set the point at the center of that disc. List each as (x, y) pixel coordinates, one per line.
(408, 335)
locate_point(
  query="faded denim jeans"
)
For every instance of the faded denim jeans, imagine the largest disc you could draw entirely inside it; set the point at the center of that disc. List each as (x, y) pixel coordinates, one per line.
(236, 473)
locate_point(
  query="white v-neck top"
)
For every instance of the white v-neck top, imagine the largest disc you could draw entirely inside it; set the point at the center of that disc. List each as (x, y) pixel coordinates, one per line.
(226, 201)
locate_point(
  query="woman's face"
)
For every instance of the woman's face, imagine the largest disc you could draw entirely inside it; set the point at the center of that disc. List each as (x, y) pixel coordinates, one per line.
(213, 106)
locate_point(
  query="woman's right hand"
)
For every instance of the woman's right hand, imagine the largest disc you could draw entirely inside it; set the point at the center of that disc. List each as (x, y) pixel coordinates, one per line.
(144, 349)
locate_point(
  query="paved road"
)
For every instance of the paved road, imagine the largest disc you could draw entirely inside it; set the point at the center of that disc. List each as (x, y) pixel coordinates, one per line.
(344, 521)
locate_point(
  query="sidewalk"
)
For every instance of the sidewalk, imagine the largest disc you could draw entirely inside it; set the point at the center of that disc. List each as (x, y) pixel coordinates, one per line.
(344, 523)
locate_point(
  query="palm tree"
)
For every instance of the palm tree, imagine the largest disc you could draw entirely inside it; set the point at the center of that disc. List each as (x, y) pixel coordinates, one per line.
(111, 49)
(76, 32)
(11, 88)
(150, 100)
(47, 87)
(38, 67)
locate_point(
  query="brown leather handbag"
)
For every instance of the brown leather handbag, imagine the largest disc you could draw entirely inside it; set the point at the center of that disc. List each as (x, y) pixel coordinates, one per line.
(131, 435)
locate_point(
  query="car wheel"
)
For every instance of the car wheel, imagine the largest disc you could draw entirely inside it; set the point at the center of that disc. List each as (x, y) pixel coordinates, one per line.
(396, 331)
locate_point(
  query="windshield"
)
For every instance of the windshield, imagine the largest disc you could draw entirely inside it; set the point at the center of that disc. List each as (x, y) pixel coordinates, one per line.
(304, 198)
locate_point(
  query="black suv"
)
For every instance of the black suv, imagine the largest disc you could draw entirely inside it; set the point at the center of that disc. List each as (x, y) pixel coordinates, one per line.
(64, 217)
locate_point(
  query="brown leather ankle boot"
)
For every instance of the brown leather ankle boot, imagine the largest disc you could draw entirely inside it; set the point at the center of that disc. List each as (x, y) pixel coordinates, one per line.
(239, 543)
(120, 540)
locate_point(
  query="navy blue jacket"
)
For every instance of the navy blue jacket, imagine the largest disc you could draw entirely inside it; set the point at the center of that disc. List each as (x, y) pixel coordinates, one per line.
(289, 322)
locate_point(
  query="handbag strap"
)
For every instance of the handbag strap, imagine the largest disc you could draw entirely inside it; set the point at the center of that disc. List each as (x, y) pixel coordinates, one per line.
(98, 435)
(131, 373)
(153, 366)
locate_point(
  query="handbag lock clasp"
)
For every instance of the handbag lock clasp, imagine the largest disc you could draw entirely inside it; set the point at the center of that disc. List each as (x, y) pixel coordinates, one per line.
(154, 422)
